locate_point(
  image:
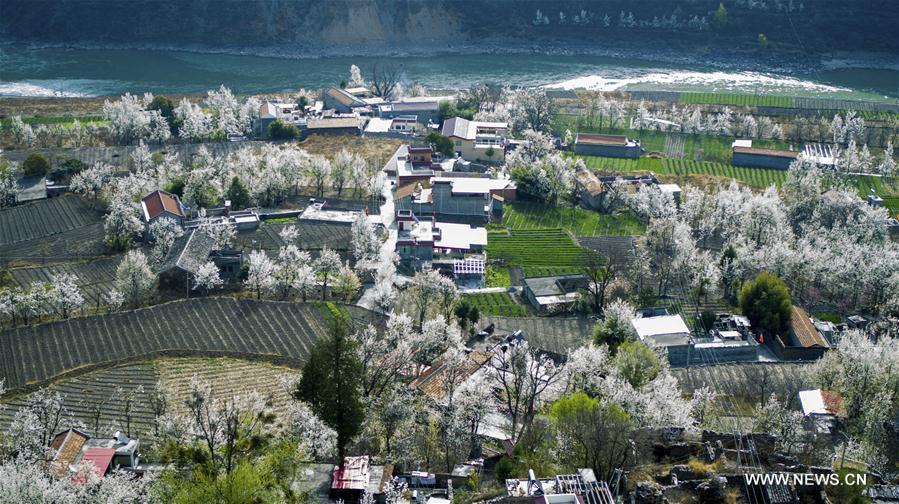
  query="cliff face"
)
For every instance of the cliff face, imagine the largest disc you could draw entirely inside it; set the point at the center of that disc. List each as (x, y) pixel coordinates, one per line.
(812, 26)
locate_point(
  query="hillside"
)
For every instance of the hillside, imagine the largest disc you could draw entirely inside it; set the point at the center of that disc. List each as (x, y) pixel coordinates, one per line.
(309, 27)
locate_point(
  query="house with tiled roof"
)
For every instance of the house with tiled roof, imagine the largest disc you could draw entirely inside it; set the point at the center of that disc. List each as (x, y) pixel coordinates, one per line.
(433, 380)
(190, 251)
(159, 204)
(593, 144)
(744, 154)
(65, 448)
(342, 101)
(802, 341)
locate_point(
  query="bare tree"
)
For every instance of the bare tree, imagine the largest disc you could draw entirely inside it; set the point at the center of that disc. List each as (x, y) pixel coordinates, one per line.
(385, 76)
(600, 272)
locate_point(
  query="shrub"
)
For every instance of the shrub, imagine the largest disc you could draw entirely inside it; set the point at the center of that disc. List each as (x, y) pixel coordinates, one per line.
(277, 130)
(36, 165)
(766, 301)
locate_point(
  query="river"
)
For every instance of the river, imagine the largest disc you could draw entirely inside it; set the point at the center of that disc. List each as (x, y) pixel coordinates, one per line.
(96, 72)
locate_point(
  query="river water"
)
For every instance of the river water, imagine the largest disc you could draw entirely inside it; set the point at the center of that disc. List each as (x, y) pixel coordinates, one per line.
(95, 72)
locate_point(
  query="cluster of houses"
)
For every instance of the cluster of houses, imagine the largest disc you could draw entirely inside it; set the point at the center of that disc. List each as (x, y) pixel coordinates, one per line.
(731, 339)
(72, 449)
(354, 111)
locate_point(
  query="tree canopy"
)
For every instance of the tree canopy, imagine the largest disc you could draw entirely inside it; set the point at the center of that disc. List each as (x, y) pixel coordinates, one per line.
(766, 301)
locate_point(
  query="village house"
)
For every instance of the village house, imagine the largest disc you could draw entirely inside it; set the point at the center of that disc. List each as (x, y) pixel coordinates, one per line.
(730, 340)
(423, 240)
(71, 448)
(432, 381)
(287, 113)
(412, 163)
(343, 102)
(554, 294)
(451, 198)
(823, 410)
(355, 477)
(159, 204)
(593, 144)
(332, 126)
(190, 251)
(477, 140)
(802, 341)
(425, 111)
(744, 154)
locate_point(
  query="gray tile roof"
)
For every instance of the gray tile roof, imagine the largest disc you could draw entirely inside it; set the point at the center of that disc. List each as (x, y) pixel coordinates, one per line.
(188, 253)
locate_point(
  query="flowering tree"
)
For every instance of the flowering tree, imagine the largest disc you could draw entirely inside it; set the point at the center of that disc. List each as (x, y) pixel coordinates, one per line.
(135, 279)
(327, 264)
(122, 224)
(356, 79)
(9, 190)
(195, 124)
(164, 231)
(319, 169)
(64, 293)
(91, 181)
(317, 439)
(347, 284)
(365, 242)
(260, 272)
(531, 108)
(291, 262)
(207, 277)
(220, 230)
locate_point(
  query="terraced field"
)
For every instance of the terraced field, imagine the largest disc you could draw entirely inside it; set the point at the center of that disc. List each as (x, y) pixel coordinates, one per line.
(498, 303)
(93, 392)
(313, 236)
(40, 219)
(274, 331)
(524, 216)
(74, 244)
(95, 277)
(756, 177)
(533, 250)
(750, 381)
(740, 100)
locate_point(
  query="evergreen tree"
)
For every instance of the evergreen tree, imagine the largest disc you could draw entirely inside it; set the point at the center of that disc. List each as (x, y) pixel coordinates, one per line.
(238, 194)
(331, 383)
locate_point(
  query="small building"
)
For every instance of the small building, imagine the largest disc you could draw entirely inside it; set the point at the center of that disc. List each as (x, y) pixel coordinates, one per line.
(554, 294)
(355, 477)
(407, 125)
(287, 113)
(425, 111)
(477, 140)
(591, 189)
(669, 332)
(802, 341)
(179, 267)
(432, 381)
(619, 146)
(746, 155)
(823, 409)
(343, 102)
(461, 199)
(332, 126)
(672, 189)
(65, 448)
(159, 204)
(377, 126)
(821, 154)
(31, 189)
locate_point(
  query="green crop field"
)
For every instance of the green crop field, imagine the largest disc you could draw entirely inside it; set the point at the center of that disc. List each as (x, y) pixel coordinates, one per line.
(739, 100)
(536, 251)
(497, 303)
(521, 215)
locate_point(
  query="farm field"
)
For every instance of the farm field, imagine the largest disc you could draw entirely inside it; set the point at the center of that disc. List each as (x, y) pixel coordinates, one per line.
(78, 244)
(87, 394)
(45, 218)
(497, 303)
(740, 100)
(524, 216)
(755, 177)
(535, 251)
(313, 236)
(95, 277)
(268, 330)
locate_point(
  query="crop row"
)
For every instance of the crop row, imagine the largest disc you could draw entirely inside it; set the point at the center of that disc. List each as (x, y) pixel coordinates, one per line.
(520, 216)
(735, 99)
(44, 218)
(211, 326)
(549, 247)
(553, 334)
(94, 277)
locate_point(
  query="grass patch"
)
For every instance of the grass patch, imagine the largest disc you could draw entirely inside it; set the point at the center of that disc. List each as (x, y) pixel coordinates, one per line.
(828, 317)
(281, 220)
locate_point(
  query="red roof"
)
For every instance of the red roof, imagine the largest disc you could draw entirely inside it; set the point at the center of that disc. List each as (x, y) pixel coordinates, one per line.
(158, 202)
(353, 474)
(101, 457)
